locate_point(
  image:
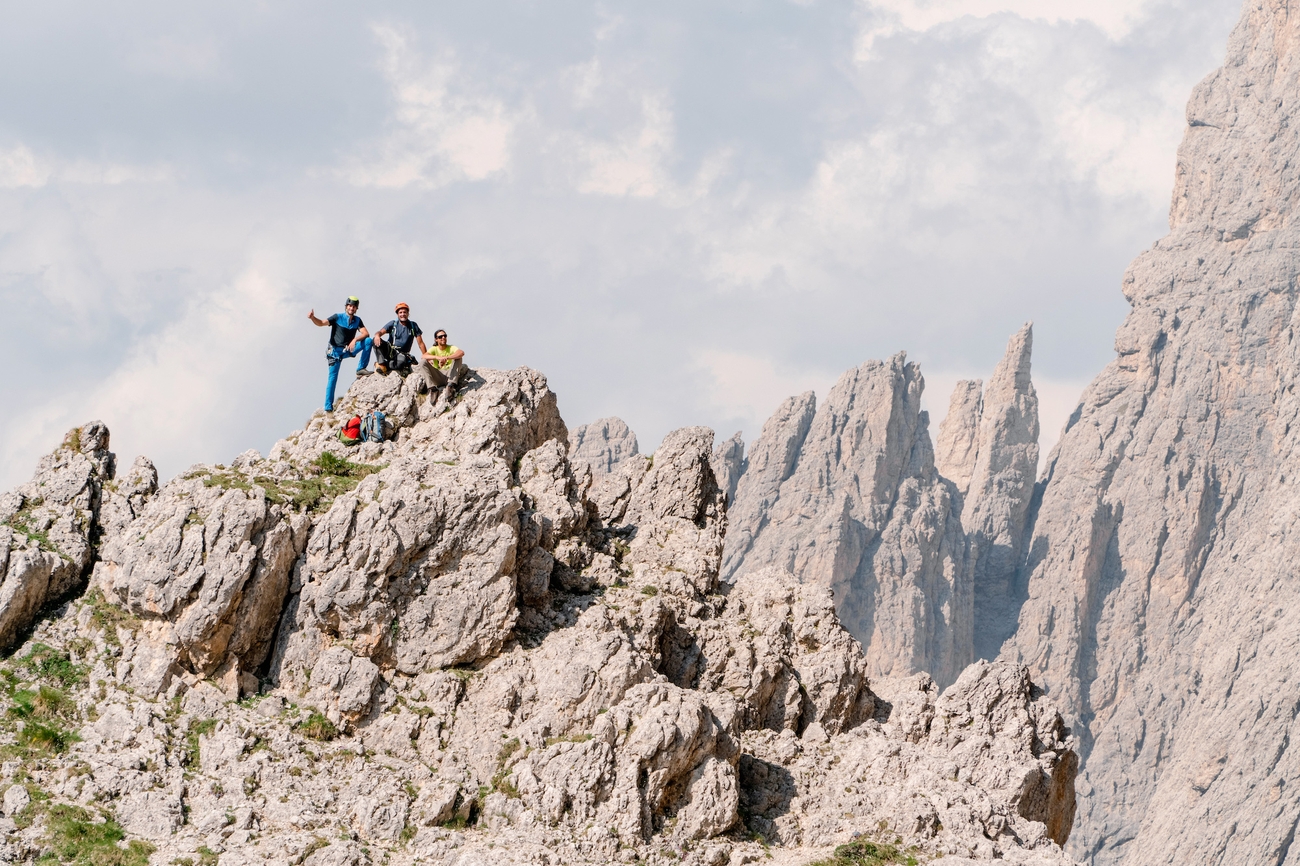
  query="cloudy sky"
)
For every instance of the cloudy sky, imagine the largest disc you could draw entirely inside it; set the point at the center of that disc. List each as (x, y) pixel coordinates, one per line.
(681, 212)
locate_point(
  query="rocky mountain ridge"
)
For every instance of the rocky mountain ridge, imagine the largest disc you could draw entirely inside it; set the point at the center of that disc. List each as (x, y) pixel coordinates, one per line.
(494, 640)
(460, 647)
(1147, 579)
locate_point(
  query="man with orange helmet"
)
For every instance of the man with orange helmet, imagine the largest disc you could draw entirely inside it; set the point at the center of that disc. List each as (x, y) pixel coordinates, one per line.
(396, 355)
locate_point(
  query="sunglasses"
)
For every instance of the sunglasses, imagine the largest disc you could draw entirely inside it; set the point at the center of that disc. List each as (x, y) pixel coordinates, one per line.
(440, 336)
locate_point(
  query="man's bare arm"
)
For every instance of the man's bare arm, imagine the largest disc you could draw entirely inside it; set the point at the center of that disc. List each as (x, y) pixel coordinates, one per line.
(419, 338)
(361, 335)
(316, 321)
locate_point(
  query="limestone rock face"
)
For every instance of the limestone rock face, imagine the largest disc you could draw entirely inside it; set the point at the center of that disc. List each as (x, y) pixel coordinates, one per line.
(1162, 607)
(602, 445)
(957, 446)
(802, 668)
(772, 459)
(208, 567)
(911, 772)
(855, 504)
(47, 526)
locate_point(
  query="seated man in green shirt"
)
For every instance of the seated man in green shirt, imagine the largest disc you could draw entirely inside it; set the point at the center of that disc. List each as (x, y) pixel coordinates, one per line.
(445, 366)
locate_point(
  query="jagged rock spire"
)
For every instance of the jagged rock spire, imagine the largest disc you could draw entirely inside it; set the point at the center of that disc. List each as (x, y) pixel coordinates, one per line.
(998, 494)
(847, 497)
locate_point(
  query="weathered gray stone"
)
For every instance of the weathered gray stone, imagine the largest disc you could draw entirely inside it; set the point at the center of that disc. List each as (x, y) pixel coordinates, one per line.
(729, 465)
(501, 642)
(998, 494)
(602, 445)
(957, 445)
(208, 564)
(47, 527)
(772, 458)
(855, 505)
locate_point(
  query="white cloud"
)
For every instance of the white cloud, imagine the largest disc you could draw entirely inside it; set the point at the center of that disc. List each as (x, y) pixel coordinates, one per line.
(440, 131)
(588, 195)
(632, 164)
(176, 56)
(21, 167)
(1116, 18)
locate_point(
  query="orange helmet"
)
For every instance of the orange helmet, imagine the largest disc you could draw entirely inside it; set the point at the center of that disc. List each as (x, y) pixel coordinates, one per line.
(402, 306)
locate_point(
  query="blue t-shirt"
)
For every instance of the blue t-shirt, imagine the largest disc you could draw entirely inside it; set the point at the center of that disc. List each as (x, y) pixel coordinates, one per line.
(403, 335)
(342, 330)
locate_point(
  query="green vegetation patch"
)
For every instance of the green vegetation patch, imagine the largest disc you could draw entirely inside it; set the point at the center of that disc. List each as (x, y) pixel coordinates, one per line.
(50, 739)
(22, 523)
(500, 782)
(72, 837)
(317, 727)
(227, 481)
(53, 665)
(73, 440)
(318, 483)
(322, 481)
(44, 703)
(108, 617)
(198, 728)
(863, 853)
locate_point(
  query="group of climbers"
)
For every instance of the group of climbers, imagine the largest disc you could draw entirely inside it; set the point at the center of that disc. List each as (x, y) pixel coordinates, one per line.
(440, 367)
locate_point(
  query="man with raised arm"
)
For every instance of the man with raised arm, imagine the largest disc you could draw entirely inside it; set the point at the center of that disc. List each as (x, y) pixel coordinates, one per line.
(348, 338)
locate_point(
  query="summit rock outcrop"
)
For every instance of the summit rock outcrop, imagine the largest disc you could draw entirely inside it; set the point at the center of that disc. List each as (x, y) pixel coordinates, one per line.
(457, 646)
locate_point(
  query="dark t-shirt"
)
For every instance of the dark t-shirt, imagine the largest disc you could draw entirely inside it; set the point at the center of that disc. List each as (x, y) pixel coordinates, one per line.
(403, 335)
(342, 330)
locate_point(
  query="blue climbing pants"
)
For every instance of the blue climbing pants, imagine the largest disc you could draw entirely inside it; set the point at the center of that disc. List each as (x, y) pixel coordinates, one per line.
(334, 357)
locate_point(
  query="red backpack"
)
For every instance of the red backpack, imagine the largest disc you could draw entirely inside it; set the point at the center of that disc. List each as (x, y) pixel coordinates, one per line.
(351, 432)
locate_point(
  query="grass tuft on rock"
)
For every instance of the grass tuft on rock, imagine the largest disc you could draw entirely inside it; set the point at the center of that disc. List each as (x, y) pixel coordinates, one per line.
(73, 838)
(50, 739)
(321, 482)
(53, 665)
(317, 727)
(107, 617)
(198, 728)
(863, 853)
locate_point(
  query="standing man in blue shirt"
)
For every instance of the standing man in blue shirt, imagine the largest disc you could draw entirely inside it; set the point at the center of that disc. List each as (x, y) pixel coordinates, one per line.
(348, 338)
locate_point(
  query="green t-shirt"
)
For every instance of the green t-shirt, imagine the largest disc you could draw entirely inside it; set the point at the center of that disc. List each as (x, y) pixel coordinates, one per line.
(442, 352)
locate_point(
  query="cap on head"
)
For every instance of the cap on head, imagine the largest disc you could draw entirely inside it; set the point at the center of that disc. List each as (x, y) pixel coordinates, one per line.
(402, 306)
(353, 300)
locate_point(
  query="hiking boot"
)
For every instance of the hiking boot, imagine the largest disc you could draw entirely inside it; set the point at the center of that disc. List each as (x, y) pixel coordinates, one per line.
(381, 369)
(364, 372)
(447, 394)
